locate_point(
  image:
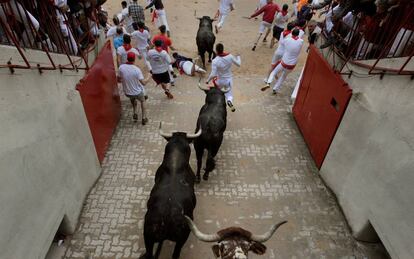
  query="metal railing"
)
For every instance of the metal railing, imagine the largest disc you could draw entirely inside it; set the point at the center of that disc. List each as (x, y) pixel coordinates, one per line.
(41, 25)
(374, 42)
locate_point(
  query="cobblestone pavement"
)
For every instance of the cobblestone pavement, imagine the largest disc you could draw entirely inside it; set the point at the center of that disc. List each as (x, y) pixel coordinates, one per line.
(264, 174)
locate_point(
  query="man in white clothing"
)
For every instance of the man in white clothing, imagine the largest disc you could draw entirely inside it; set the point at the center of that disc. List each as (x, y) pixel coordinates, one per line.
(280, 22)
(133, 83)
(226, 6)
(142, 39)
(112, 30)
(160, 62)
(293, 46)
(123, 50)
(221, 71)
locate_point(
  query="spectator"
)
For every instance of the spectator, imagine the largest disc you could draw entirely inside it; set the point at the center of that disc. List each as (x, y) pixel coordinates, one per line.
(305, 13)
(314, 32)
(123, 50)
(136, 12)
(133, 85)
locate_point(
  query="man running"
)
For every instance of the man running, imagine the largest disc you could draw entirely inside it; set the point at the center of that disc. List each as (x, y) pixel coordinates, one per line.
(142, 39)
(277, 55)
(133, 85)
(281, 20)
(269, 12)
(123, 50)
(186, 65)
(160, 13)
(221, 70)
(293, 46)
(226, 6)
(166, 45)
(160, 62)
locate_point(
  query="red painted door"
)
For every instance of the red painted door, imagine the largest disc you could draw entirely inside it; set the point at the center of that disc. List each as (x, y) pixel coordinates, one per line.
(320, 104)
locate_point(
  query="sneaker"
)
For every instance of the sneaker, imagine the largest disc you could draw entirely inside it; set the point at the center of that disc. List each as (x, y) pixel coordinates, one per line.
(168, 94)
(264, 40)
(265, 80)
(146, 97)
(135, 117)
(174, 75)
(254, 48)
(274, 92)
(230, 104)
(264, 88)
(144, 121)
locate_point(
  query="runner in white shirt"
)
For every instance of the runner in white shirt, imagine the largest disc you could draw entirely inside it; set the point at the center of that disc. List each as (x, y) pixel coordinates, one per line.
(123, 50)
(293, 46)
(112, 30)
(160, 62)
(277, 55)
(280, 22)
(226, 6)
(221, 70)
(142, 38)
(133, 85)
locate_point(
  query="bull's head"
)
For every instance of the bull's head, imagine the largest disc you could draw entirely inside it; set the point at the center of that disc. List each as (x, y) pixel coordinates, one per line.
(234, 242)
(206, 21)
(170, 135)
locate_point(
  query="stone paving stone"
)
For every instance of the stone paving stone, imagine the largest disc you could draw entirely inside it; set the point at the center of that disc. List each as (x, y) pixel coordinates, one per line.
(264, 174)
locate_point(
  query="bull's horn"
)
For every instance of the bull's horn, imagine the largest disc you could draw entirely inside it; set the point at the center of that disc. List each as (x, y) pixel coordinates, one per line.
(201, 88)
(266, 236)
(193, 136)
(201, 236)
(165, 135)
(224, 89)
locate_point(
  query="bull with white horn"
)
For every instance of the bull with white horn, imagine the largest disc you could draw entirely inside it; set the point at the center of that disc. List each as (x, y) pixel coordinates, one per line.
(235, 242)
(172, 196)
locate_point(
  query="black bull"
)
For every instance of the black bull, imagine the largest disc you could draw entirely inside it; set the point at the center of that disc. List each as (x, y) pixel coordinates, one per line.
(212, 120)
(205, 38)
(172, 197)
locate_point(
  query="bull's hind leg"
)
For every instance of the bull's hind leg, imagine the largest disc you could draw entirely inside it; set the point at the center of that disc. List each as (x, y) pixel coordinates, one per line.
(203, 58)
(199, 154)
(158, 252)
(210, 53)
(149, 247)
(211, 163)
(177, 248)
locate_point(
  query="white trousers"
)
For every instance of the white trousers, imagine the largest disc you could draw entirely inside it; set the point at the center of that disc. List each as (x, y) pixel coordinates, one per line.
(226, 83)
(277, 56)
(162, 19)
(279, 69)
(222, 18)
(187, 67)
(144, 54)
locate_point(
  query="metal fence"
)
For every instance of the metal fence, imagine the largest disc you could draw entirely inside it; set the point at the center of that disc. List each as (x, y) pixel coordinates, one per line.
(45, 26)
(375, 41)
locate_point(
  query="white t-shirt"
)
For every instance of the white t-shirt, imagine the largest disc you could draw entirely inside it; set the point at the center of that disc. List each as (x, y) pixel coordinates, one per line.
(292, 50)
(141, 38)
(225, 6)
(130, 76)
(112, 31)
(221, 66)
(123, 53)
(281, 20)
(160, 61)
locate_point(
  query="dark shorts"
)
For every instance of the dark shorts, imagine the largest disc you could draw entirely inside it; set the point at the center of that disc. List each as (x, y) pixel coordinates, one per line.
(276, 32)
(163, 78)
(140, 97)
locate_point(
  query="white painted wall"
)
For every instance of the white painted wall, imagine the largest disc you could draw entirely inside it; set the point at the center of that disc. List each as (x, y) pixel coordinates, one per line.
(370, 164)
(48, 161)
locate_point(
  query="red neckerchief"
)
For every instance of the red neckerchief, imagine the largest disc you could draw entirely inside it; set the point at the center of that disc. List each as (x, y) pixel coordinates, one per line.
(130, 62)
(141, 30)
(127, 46)
(223, 54)
(159, 49)
(295, 37)
(284, 13)
(286, 33)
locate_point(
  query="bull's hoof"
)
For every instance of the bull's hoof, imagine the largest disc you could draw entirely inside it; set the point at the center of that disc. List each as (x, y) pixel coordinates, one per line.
(197, 179)
(205, 177)
(144, 256)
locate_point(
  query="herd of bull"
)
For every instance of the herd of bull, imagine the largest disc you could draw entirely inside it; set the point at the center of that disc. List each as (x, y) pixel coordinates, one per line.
(172, 199)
